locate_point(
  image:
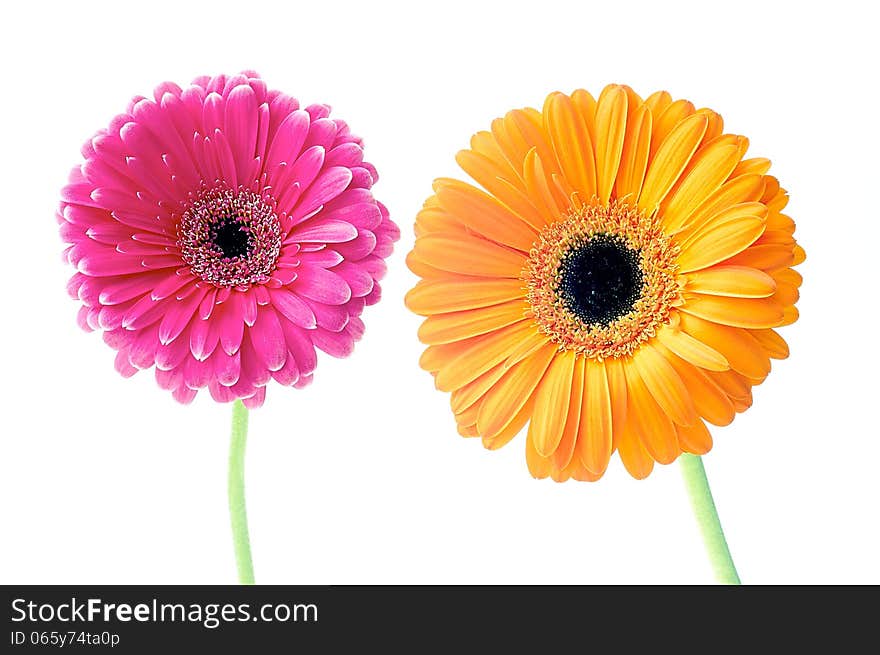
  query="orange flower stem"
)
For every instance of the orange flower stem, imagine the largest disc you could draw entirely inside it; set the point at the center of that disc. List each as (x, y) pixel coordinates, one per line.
(707, 516)
(237, 507)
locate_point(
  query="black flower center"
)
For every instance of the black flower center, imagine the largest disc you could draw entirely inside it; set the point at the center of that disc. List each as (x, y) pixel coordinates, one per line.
(232, 239)
(600, 280)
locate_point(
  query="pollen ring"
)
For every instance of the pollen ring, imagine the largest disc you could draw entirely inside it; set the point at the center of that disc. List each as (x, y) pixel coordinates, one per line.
(602, 280)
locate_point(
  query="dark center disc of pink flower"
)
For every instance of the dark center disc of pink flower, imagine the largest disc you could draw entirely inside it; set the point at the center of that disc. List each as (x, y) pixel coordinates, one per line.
(230, 238)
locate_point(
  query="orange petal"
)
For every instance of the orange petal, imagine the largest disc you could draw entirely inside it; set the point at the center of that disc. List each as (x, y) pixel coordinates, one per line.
(484, 214)
(466, 396)
(653, 426)
(471, 256)
(585, 105)
(633, 454)
(529, 122)
(664, 384)
(417, 265)
(767, 257)
(742, 352)
(691, 350)
(564, 453)
(489, 176)
(540, 467)
(666, 120)
(513, 428)
(754, 166)
(505, 400)
(610, 133)
(720, 240)
(469, 359)
(571, 142)
(634, 158)
(736, 312)
(709, 399)
(733, 281)
(457, 293)
(551, 404)
(736, 386)
(673, 155)
(595, 433)
(733, 192)
(539, 189)
(618, 392)
(456, 326)
(715, 163)
(770, 341)
(694, 439)
(658, 101)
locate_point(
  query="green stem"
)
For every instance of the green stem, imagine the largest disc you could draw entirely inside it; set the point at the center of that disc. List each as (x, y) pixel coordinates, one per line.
(707, 516)
(237, 508)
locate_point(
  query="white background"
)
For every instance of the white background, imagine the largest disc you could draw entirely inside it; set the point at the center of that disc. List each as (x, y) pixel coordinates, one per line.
(361, 478)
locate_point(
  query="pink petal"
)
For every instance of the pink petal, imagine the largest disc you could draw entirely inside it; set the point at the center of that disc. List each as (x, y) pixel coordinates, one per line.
(293, 308)
(120, 289)
(318, 111)
(220, 393)
(347, 154)
(288, 374)
(204, 335)
(144, 312)
(213, 113)
(170, 356)
(241, 128)
(364, 215)
(257, 400)
(197, 374)
(358, 248)
(325, 231)
(231, 325)
(321, 133)
(361, 178)
(227, 368)
(247, 305)
(170, 284)
(142, 352)
(355, 328)
(358, 279)
(183, 394)
(123, 366)
(336, 344)
(304, 381)
(178, 315)
(299, 345)
(321, 285)
(329, 317)
(288, 141)
(297, 177)
(324, 258)
(253, 371)
(329, 184)
(268, 339)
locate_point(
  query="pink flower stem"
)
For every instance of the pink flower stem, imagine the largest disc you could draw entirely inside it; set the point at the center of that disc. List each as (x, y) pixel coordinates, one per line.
(237, 507)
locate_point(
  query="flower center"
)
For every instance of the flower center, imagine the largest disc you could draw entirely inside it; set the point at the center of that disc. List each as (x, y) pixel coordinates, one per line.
(228, 238)
(601, 280)
(232, 239)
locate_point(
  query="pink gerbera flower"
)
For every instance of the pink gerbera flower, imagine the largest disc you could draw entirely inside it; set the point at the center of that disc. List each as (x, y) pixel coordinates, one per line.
(222, 233)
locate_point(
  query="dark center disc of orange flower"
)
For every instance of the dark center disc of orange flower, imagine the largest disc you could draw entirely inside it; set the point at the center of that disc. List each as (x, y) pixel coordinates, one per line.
(232, 238)
(600, 280)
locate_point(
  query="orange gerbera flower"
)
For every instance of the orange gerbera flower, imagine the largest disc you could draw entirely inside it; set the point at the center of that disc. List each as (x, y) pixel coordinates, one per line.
(615, 285)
